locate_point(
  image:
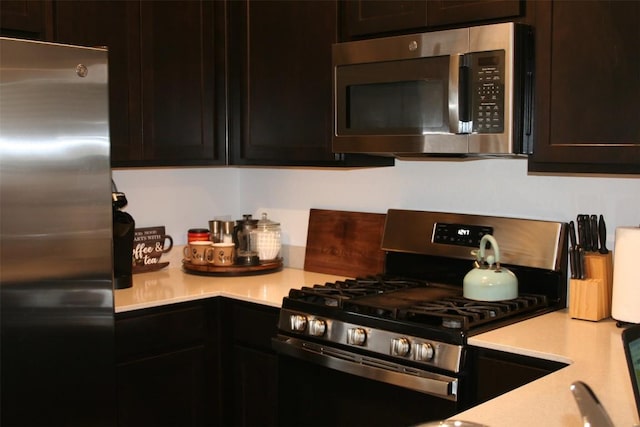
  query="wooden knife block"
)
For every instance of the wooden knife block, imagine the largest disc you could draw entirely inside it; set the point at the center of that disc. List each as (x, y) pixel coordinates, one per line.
(590, 298)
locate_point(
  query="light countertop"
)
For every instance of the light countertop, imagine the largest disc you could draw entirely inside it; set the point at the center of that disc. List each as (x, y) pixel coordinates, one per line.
(593, 350)
(172, 285)
(595, 355)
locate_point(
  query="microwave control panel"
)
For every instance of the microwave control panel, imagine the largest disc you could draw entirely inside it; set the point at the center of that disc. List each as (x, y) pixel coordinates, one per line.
(488, 91)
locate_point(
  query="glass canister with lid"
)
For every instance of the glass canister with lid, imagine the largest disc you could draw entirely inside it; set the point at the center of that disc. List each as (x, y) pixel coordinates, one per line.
(266, 239)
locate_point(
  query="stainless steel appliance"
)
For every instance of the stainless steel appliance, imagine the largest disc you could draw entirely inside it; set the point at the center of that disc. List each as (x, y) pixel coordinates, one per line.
(461, 92)
(407, 327)
(56, 290)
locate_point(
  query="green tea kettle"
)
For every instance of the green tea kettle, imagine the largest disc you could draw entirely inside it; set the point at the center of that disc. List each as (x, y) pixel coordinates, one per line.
(488, 281)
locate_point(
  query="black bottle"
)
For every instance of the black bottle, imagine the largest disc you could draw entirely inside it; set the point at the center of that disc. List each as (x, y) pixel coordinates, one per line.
(123, 230)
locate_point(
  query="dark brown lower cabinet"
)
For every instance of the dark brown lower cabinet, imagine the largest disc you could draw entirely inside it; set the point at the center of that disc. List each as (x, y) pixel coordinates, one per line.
(495, 372)
(250, 373)
(210, 363)
(205, 363)
(167, 366)
(255, 387)
(163, 390)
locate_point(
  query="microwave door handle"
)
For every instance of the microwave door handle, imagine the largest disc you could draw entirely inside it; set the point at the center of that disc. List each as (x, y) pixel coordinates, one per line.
(464, 95)
(457, 108)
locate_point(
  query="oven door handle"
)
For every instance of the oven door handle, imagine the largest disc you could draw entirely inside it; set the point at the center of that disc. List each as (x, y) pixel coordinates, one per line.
(368, 367)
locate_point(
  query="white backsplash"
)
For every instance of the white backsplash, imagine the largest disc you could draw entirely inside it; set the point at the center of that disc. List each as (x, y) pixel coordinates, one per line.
(184, 198)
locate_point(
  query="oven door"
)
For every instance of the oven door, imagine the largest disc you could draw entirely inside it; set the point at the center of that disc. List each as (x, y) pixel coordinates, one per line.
(320, 386)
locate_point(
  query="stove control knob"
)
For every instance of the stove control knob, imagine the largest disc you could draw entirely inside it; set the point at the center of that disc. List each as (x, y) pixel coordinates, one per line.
(356, 336)
(400, 346)
(424, 351)
(298, 322)
(317, 327)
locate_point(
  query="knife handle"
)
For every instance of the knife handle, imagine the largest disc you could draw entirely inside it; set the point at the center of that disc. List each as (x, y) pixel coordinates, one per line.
(594, 232)
(602, 233)
(572, 234)
(581, 274)
(572, 263)
(574, 254)
(582, 235)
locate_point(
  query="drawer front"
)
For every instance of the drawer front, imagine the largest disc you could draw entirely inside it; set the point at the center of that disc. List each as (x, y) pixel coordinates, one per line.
(254, 326)
(159, 331)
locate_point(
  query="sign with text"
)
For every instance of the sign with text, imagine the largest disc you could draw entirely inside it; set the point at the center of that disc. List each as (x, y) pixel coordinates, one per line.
(149, 244)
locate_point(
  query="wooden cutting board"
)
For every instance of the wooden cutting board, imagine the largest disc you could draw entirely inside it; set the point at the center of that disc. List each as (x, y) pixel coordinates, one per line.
(344, 243)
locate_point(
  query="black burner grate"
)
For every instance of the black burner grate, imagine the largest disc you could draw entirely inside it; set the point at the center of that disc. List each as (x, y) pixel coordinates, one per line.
(462, 313)
(335, 294)
(415, 301)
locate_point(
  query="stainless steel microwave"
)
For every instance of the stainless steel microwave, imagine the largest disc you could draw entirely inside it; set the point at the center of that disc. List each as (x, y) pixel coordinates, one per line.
(460, 92)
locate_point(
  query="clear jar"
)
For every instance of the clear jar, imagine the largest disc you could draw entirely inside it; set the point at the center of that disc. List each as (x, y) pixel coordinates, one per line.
(266, 239)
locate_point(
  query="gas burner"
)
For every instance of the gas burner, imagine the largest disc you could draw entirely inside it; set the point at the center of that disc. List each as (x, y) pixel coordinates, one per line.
(336, 293)
(379, 284)
(462, 313)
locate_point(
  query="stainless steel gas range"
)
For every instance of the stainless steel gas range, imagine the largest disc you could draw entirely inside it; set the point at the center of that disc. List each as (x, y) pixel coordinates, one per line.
(407, 326)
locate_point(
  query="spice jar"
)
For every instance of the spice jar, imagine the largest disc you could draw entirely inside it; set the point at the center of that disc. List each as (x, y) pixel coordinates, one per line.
(266, 239)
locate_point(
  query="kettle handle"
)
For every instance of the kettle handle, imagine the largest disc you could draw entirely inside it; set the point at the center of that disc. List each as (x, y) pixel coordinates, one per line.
(494, 243)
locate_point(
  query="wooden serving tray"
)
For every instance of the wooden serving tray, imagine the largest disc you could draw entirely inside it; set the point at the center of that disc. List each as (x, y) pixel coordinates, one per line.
(264, 267)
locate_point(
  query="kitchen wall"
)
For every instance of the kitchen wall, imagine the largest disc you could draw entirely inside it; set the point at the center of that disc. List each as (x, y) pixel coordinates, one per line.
(188, 197)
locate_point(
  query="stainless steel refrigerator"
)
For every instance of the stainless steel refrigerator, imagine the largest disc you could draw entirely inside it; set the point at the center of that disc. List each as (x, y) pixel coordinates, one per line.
(56, 286)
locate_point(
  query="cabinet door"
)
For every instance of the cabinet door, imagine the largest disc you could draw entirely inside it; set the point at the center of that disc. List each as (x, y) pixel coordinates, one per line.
(115, 25)
(181, 72)
(30, 19)
(366, 17)
(249, 366)
(280, 88)
(167, 365)
(165, 390)
(588, 87)
(445, 12)
(255, 388)
(166, 80)
(280, 84)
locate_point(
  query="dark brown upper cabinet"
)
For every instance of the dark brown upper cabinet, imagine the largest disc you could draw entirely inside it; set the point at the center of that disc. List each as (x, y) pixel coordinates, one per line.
(365, 18)
(166, 76)
(588, 87)
(29, 19)
(448, 12)
(280, 103)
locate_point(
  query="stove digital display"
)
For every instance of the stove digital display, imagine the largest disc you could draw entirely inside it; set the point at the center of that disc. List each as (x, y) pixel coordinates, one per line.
(460, 234)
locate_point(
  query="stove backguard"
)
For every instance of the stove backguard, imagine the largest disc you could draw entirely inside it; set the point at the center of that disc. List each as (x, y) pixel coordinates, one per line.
(436, 246)
(523, 242)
